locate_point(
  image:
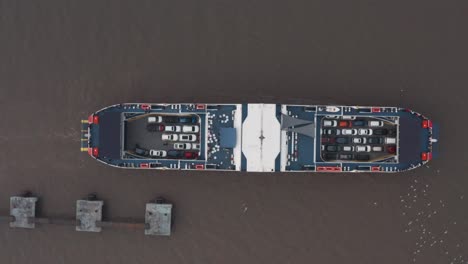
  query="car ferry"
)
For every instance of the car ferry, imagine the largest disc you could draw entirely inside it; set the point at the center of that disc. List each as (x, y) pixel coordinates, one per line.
(259, 137)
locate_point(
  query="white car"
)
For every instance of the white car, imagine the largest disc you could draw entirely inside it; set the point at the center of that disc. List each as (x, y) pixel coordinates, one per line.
(347, 117)
(363, 148)
(365, 131)
(182, 146)
(195, 146)
(330, 123)
(377, 149)
(154, 119)
(347, 148)
(359, 140)
(187, 138)
(332, 109)
(190, 129)
(376, 123)
(172, 129)
(170, 137)
(349, 132)
(158, 153)
(389, 140)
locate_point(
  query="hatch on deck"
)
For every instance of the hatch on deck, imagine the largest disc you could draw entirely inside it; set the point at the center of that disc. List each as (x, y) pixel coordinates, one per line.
(227, 137)
(261, 137)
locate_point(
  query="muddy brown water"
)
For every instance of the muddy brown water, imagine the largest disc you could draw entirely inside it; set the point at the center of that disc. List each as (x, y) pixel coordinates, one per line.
(61, 60)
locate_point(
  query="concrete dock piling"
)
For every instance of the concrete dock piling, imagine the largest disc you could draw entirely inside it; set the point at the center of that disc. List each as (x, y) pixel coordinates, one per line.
(89, 218)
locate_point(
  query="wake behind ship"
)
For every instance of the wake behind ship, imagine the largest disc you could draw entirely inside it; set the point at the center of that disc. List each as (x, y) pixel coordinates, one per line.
(259, 137)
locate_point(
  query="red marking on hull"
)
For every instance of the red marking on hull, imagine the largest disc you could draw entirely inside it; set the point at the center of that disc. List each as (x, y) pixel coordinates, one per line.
(322, 168)
(424, 156)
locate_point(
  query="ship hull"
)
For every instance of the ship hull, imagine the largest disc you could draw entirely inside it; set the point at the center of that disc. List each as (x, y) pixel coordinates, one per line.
(259, 137)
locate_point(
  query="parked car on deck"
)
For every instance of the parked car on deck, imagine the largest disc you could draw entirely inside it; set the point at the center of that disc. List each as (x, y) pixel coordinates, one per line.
(359, 140)
(347, 148)
(190, 129)
(330, 123)
(155, 119)
(359, 123)
(171, 119)
(188, 119)
(331, 131)
(158, 153)
(380, 131)
(345, 156)
(363, 148)
(154, 127)
(175, 154)
(330, 148)
(190, 155)
(342, 140)
(172, 128)
(377, 148)
(182, 146)
(365, 131)
(375, 140)
(170, 137)
(376, 123)
(140, 151)
(344, 123)
(187, 137)
(196, 146)
(330, 156)
(349, 132)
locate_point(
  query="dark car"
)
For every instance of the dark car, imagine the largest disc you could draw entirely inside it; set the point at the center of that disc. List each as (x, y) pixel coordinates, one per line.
(171, 119)
(392, 132)
(330, 132)
(330, 156)
(175, 154)
(327, 140)
(375, 140)
(359, 123)
(141, 151)
(345, 156)
(342, 140)
(188, 119)
(151, 127)
(331, 148)
(158, 107)
(362, 157)
(380, 131)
